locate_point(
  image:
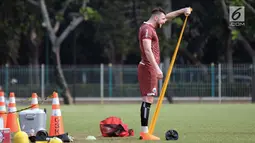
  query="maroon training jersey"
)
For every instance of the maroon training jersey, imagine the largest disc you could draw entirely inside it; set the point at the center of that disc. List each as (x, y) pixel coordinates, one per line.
(147, 31)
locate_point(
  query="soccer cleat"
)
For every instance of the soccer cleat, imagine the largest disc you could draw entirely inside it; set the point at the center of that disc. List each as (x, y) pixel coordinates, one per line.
(147, 136)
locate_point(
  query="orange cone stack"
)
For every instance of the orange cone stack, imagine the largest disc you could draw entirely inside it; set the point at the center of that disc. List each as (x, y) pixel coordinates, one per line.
(56, 122)
(34, 102)
(12, 121)
(3, 114)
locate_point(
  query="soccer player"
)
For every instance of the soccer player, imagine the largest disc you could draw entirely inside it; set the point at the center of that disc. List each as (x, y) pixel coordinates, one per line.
(148, 69)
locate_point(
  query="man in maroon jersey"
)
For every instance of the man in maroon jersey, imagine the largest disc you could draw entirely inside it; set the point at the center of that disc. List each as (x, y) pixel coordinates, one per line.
(148, 68)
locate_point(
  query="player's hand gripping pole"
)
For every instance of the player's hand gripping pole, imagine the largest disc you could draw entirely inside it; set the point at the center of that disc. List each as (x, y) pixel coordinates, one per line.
(163, 90)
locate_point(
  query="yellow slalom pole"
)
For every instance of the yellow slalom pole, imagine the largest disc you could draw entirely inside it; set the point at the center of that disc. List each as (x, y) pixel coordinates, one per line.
(19, 129)
(163, 90)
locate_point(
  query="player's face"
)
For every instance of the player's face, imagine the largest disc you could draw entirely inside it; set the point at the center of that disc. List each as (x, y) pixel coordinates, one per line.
(161, 19)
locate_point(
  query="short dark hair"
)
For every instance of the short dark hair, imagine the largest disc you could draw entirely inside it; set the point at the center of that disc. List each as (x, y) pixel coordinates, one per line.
(157, 10)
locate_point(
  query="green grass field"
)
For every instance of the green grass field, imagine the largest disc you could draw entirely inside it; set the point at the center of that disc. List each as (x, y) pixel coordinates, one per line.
(195, 123)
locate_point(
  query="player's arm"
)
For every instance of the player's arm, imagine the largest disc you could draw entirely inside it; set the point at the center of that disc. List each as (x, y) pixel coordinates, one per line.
(173, 14)
(149, 54)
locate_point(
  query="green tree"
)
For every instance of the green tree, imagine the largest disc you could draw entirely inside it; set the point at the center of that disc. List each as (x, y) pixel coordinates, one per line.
(12, 25)
(242, 35)
(18, 26)
(56, 16)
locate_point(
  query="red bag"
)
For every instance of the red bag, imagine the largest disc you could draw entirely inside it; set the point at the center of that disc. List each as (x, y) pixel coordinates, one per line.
(114, 127)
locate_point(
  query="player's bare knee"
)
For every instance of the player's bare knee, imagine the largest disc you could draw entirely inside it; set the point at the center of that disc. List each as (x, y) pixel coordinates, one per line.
(148, 99)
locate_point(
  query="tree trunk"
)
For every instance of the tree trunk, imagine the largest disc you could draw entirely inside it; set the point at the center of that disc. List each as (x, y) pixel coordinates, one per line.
(60, 78)
(34, 57)
(167, 29)
(166, 64)
(134, 12)
(229, 59)
(115, 65)
(112, 54)
(36, 66)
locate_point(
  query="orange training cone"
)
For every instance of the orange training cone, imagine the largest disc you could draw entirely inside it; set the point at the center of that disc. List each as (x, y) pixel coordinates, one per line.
(3, 114)
(56, 122)
(34, 102)
(12, 115)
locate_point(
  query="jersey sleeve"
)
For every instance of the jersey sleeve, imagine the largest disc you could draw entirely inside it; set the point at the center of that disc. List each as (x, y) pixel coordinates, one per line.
(146, 33)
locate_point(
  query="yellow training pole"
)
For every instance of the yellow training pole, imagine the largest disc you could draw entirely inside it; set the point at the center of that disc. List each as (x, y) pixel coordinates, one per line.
(19, 129)
(163, 90)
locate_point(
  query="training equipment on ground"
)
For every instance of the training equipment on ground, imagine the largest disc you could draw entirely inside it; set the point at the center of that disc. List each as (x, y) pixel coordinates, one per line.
(163, 90)
(12, 115)
(21, 137)
(51, 140)
(34, 101)
(5, 135)
(3, 114)
(42, 136)
(147, 136)
(56, 122)
(171, 135)
(55, 140)
(91, 138)
(34, 119)
(114, 127)
(56, 131)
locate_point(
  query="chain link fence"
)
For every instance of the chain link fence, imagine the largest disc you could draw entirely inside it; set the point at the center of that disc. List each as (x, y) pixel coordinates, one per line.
(121, 80)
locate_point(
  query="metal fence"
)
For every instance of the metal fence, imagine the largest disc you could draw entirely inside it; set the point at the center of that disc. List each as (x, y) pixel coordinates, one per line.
(121, 80)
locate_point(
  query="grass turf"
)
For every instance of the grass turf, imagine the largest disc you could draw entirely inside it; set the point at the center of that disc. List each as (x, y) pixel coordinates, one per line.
(195, 123)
